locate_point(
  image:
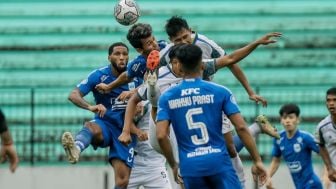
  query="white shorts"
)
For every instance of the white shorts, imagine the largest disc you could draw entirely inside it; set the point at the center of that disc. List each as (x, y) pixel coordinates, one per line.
(226, 125)
(156, 178)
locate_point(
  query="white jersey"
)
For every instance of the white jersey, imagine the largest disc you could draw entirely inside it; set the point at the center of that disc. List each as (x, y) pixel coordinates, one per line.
(326, 135)
(210, 50)
(146, 156)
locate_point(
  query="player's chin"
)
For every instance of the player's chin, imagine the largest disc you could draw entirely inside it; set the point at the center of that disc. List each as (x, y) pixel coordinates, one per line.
(332, 110)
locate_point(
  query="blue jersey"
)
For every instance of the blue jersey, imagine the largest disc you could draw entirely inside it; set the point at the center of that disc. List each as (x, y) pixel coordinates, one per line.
(137, 67)
(115, 108)
(297, 152)
(195, 107)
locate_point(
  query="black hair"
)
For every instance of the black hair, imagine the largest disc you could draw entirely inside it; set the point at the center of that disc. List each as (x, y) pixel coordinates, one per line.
(289, 109)
(174, 25)
(331, 91)
(137, 32)
(110, 50)
(190, 57)
(173, 50)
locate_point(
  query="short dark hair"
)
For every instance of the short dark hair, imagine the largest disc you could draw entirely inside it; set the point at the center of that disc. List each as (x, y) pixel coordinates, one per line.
(175, 24)
(331, 91)
(173, 50)
(110, 50)
(137, 32)
(190, 57)
(289, 109)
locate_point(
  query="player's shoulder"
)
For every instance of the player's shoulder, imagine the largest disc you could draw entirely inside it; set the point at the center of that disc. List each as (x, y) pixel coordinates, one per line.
(305, 134)
(164, 51)
(100, 71)
(138, 59)
(325, 122)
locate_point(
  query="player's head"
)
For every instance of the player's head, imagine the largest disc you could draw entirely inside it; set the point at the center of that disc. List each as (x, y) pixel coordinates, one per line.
(190, 58)
(289, 116)
(331, 100)
(174, 62)
(178, 30)
(140, 36)
(118, 56)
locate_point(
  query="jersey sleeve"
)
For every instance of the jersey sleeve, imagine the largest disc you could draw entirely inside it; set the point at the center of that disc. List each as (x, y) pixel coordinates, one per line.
(142, 92)
(276, 152)
(163, 109)
(309, 139)
(230, 105)
(136, 68)
(89, 83)
(209, 67)
(319, 136)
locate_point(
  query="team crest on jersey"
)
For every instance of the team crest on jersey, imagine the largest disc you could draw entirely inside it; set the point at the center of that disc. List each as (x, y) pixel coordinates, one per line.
(299, 139)
(297, 148)
(131, 85)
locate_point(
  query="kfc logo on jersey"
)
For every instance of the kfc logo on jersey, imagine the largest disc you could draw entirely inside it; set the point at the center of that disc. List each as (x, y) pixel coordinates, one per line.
(190, 91)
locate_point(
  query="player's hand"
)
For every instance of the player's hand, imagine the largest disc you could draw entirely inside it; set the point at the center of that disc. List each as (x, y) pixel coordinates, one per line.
(8, 152)
(102, 88)
(332, 175)
(142, 135)
(259, 173)
(177, 176)
(267, 39)
(258, 99)
(98, 109)
(125, 95)
(125, 138)
(269, 184)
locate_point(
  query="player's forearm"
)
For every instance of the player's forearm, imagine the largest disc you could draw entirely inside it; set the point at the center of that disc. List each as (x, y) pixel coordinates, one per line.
(121, 80)
(325, 157)
(241, 53)
(249, 143)
(6, 138)
(130, 112)
(167, 150)
(239, 74)
(274, 166)
(77, 99)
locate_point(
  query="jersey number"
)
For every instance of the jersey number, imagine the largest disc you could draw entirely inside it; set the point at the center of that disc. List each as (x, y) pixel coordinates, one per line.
(197, 125)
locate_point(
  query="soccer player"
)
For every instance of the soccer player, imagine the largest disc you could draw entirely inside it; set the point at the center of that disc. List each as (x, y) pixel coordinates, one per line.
(326, 136)
(171, 75)
(7, 147)
(195, 107)
(140, 36)
(295, 146)
(179, 31)
(104, 129)
(149, 168)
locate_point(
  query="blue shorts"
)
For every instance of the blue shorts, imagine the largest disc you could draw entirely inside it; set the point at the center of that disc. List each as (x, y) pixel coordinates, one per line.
(117, 149)
(224, 180)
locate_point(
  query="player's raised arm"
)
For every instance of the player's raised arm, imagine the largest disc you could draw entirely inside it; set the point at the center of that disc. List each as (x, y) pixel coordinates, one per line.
(76, 97)
(241, 53)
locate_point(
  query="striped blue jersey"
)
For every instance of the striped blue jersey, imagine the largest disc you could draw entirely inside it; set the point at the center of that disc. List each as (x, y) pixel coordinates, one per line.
(115, 108)
(297, 152)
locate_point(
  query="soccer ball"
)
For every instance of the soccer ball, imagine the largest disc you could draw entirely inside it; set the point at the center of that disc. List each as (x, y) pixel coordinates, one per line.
(126, 12)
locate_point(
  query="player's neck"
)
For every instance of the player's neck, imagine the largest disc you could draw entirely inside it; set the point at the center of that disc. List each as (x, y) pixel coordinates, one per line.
(290, 134)
(333, 118)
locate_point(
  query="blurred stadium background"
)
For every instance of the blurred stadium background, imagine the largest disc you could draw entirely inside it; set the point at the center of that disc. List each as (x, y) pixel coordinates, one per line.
(48, 46)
